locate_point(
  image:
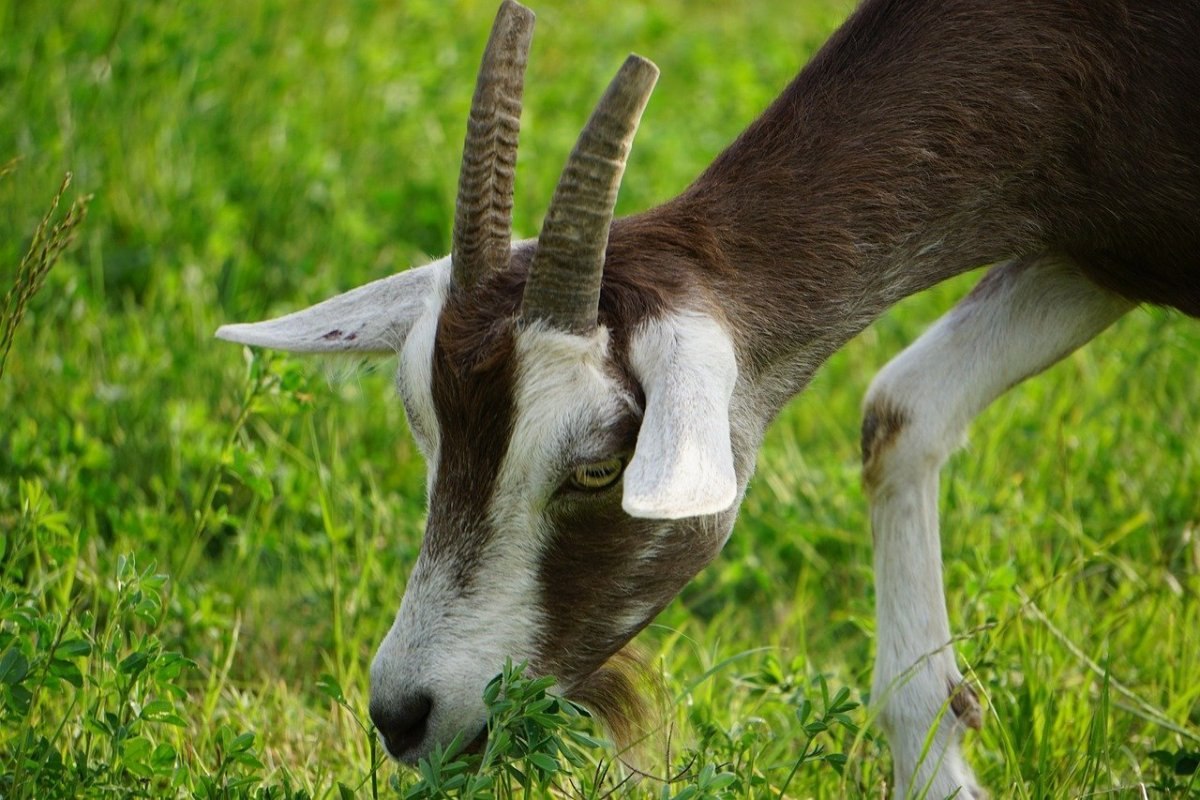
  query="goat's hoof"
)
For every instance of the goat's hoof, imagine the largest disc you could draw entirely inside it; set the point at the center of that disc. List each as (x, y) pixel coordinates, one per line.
(964, 702)
(971, 793)
(954, 780)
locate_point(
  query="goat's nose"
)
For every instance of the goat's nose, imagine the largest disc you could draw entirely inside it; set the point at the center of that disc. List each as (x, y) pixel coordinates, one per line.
(402, 723)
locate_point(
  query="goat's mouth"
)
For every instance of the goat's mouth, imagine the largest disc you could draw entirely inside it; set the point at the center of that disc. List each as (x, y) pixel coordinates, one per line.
(475, 746)
(412, 757)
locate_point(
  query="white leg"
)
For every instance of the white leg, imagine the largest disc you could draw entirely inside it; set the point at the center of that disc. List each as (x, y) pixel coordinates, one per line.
(1022, 317)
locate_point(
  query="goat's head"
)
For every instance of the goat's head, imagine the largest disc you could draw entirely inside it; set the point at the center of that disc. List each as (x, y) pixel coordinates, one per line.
(575, 422)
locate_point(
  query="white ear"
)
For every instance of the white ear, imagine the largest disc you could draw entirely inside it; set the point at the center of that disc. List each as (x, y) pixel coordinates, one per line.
(374, 318)
(683, 463)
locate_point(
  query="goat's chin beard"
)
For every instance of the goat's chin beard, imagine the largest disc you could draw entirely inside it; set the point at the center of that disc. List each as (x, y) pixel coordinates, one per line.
(624, 695)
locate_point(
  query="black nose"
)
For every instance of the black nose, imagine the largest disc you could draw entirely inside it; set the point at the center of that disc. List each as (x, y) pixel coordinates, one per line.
(402, 723)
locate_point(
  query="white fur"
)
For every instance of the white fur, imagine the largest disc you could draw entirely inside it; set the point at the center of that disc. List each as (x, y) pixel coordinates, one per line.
(374, 318)
(414, 377)
(1029, 317)
(564, 399)
(683, 463)
(451, 645)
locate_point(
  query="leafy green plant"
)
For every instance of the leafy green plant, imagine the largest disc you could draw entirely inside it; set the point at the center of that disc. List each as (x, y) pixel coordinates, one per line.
(709, 784)
(90, 702)
(1179, 772)
(86, 696)
(534, 738)
(825, 725)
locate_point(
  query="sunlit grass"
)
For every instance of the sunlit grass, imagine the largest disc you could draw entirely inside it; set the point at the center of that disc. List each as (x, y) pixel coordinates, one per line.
(249, 158)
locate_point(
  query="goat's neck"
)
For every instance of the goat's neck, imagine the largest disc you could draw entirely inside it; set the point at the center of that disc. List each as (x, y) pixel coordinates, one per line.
(835, 205)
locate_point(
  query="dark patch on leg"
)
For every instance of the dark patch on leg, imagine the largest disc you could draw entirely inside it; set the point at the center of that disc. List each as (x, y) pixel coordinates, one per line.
(882, 423)
(964, 702)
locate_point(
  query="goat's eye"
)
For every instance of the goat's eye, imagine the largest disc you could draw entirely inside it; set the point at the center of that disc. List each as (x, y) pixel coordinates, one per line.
(597, 475)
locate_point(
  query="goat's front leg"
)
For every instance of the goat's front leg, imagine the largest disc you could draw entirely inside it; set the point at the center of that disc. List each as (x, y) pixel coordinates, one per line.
(1021, 318)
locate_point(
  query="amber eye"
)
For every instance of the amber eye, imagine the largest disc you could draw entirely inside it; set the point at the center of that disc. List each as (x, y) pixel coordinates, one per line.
(597, 475)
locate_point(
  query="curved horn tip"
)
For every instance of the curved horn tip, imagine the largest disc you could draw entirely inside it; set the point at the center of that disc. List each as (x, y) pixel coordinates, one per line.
(631, 88)
(638, 68)
(513, 7)
(517, 17)
(563, 287)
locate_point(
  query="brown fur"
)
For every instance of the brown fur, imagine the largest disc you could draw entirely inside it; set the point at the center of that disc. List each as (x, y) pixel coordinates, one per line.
(926, 139)
(472, 386)
(965, 705)
(882, 423)
(623, 695)
(592, 571)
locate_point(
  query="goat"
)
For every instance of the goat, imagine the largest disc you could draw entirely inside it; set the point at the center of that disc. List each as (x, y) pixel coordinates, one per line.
(590, 403)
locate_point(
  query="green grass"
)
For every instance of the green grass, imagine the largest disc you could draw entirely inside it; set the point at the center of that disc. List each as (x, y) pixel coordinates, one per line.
(202, 549)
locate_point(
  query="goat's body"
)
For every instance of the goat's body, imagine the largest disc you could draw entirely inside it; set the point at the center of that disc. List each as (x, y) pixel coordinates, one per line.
(1055, 140)
(930, 138)
(1058, 140)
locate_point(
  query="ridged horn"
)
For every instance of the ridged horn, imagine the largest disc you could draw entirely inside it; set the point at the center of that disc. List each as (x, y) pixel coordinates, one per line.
(483, 210)
(563, 288)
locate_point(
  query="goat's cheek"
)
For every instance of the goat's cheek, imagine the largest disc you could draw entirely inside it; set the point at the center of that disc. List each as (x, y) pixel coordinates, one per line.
(681, 550)
(588, 578)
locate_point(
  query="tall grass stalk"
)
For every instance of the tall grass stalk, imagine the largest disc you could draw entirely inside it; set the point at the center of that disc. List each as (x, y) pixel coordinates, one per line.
(47, 245)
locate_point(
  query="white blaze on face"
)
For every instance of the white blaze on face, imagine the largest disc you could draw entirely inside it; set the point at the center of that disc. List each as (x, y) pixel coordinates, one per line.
(565, 401)
(448, 643)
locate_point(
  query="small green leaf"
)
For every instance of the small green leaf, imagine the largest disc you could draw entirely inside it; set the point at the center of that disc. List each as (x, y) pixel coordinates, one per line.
(163, 757)
(721, 781)
(328, 686)
(1187, 762)
(13, 666)
(241, 743)
(153, 582)
(133, 664)
(73, 648)
(135, 755)
(544, 762)
(584, 740)
(162, 711)
(428, 773)
(67, 671)
(19, 699)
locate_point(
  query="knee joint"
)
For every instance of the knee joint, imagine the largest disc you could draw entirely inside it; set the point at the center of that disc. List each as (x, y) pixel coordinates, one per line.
(882, 423)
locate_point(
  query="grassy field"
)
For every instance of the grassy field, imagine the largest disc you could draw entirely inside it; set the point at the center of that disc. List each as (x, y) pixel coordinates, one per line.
(202, 547)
